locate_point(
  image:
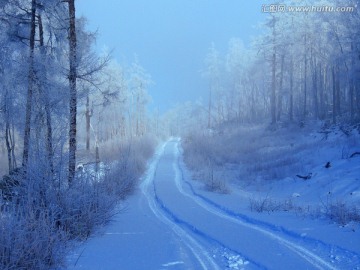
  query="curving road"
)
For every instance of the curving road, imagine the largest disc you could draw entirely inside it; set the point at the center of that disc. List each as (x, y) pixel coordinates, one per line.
(181, 229)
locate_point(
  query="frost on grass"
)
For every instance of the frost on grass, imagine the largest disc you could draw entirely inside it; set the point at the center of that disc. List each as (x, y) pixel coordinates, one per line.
(266, 163)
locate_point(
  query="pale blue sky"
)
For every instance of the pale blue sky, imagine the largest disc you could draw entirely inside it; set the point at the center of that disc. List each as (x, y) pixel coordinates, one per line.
(170, 37)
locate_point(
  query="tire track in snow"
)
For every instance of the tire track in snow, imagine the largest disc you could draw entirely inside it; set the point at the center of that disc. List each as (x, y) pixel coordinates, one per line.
(270, 230)
(196, 249)
(200, 233)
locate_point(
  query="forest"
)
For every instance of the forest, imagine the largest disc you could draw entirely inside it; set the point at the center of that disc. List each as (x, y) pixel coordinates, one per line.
(303, 66)
(76, 131)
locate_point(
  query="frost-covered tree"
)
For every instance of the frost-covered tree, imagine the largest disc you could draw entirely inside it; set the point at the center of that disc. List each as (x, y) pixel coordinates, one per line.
(108, 104)
(139, 82)
(212, 72)
(304, 65)
(235, 67)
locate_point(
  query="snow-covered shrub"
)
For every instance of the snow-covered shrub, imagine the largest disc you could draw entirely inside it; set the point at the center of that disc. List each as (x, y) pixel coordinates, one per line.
(29, 238)
(264, 205)
(120, 181)
(340, 212)
(200, 151)
(202, 157)
(215, 182)
(271, 205)
(127, 163)
(84, 207)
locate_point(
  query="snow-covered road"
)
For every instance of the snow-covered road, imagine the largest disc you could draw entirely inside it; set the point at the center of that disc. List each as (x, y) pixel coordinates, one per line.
(169, 225)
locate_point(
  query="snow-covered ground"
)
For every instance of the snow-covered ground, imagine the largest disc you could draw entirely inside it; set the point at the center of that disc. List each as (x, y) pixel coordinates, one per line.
(172, 222)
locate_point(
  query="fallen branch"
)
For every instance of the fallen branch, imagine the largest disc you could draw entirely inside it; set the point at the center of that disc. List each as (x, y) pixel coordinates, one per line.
(307, 177)
(354, 154)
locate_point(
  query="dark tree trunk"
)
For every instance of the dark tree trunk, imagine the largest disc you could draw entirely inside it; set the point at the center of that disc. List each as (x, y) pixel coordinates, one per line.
(8, 145)
(315, 89)
(321, 92)
(253, 102)
(327, 84)
(338, 94)
(291, 107)
(273, 71)
(352, 85)
(30, 90)
(12, 143)
(273, 90)
(209, 112)
(88, 123)
(9, 133)
(305, 81)
(280, 92)
(73, 93)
